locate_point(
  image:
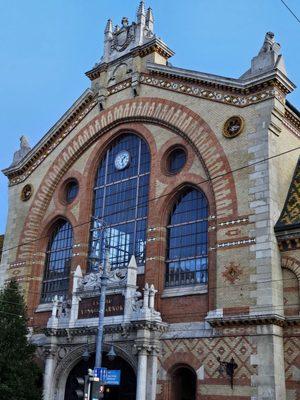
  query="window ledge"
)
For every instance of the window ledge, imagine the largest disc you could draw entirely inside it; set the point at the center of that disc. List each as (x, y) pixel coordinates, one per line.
(44, 307)
(184, 291)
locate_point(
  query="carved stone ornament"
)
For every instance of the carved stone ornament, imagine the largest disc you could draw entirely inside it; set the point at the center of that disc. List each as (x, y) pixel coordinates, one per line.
(27, 192)
(233, 127)
(92, 281)
(123, 36)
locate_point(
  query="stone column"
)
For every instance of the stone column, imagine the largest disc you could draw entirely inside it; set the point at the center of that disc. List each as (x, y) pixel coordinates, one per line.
(142, 373)
(50, 364)
(152, 374)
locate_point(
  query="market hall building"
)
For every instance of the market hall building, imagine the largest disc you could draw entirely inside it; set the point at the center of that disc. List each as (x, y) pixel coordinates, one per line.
(178, 175)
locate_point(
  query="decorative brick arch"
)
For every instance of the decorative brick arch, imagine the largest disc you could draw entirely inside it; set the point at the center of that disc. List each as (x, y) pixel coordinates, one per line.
(171, 115)
(292, 264)
(181, 358)
(74, 356)
(178, 359)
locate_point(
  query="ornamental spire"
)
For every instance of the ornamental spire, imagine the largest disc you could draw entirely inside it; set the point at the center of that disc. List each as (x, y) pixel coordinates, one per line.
(150, 19)
(109, 27)
(140, 11)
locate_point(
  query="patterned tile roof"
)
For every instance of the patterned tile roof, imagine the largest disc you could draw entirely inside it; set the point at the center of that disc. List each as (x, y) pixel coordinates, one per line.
(290, 215)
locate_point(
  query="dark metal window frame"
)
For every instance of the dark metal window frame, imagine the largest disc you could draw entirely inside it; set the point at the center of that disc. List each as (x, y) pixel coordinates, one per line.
(119, 255)
(58, 262)
(190, 269)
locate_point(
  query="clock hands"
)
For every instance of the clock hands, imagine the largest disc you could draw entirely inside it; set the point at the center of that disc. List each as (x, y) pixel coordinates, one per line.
(122, 160)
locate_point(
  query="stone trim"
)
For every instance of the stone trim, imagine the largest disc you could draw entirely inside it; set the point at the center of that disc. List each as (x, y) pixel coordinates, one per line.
(205, 92)
(184, 291)
(259, 319)
(44, 307)
(274, 77)
(292, 115)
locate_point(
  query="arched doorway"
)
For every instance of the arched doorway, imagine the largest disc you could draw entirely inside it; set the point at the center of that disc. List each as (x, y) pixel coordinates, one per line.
(183, 383)
(127, 389)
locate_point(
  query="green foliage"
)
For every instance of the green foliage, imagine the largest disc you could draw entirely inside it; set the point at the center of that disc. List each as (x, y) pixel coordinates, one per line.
(19, 373)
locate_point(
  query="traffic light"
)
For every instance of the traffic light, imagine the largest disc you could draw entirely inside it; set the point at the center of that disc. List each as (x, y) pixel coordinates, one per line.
(83, 391)
(97, 391)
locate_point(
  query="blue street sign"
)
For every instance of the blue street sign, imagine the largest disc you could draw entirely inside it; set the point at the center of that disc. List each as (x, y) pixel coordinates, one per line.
(100, 373)
(113, 377)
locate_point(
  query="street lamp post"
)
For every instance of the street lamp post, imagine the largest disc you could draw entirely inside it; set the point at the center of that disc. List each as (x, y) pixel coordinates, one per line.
(104, 279)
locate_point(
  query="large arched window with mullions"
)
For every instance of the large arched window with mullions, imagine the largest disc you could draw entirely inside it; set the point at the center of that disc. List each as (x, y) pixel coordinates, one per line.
(121, 203)
(58, 262)
(187, 241)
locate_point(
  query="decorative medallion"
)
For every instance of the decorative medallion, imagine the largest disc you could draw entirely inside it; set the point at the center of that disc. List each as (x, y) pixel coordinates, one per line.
(233, 126)
(26, 192)
(232, 272)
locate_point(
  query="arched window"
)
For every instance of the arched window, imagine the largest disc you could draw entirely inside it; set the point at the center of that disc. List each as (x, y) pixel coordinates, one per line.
(187, 242)
(121, 202)
(58, 262)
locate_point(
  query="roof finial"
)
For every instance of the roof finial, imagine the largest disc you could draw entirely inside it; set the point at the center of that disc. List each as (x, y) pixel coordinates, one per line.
(24, 143)
(109, 27)
(150, 19)
(22, 152)
(140, 10)
(268, 58)
(269, 43)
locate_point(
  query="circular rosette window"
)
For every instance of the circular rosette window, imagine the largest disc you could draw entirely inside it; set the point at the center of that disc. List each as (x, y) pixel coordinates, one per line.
(233, 127)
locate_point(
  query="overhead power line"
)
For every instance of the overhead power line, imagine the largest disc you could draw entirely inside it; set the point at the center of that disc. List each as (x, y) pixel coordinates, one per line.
(290, 10)
(210, 287)
(164, 195)
(254, 308)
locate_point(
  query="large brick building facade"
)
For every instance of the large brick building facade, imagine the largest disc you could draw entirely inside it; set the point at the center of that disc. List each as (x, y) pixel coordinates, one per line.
(181, 174)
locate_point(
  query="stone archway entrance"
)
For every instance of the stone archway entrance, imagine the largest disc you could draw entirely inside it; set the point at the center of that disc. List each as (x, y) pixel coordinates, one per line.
(127, 389)
(183, 383)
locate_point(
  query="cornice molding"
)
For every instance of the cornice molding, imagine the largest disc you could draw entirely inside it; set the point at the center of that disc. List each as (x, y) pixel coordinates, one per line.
(123, 329)
(217, 93)
(51, 140)
(244, 86)
(291, 118)
(155, 45)
(288, 241)
(259, 319)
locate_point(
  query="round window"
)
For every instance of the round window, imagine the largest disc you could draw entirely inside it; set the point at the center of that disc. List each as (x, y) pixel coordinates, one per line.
(176, 160)
(71, 191)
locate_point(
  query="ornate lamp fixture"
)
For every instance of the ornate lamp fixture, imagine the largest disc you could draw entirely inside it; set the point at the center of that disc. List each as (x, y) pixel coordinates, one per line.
(111, 355)
(229, 367)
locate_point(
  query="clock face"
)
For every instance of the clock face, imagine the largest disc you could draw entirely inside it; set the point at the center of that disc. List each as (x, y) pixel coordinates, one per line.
(122, 160)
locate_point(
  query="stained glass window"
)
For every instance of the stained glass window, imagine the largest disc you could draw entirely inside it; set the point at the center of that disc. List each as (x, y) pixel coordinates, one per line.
(187, 242)
(121, 202)
(58, 262)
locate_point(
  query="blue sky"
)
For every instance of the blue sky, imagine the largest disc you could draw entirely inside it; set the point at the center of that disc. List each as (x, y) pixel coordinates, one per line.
(46, 46)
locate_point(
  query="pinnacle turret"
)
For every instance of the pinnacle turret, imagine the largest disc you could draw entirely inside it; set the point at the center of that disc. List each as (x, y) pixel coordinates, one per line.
(121, 39)
(140, 10)
(150, 19)
(109, 27)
